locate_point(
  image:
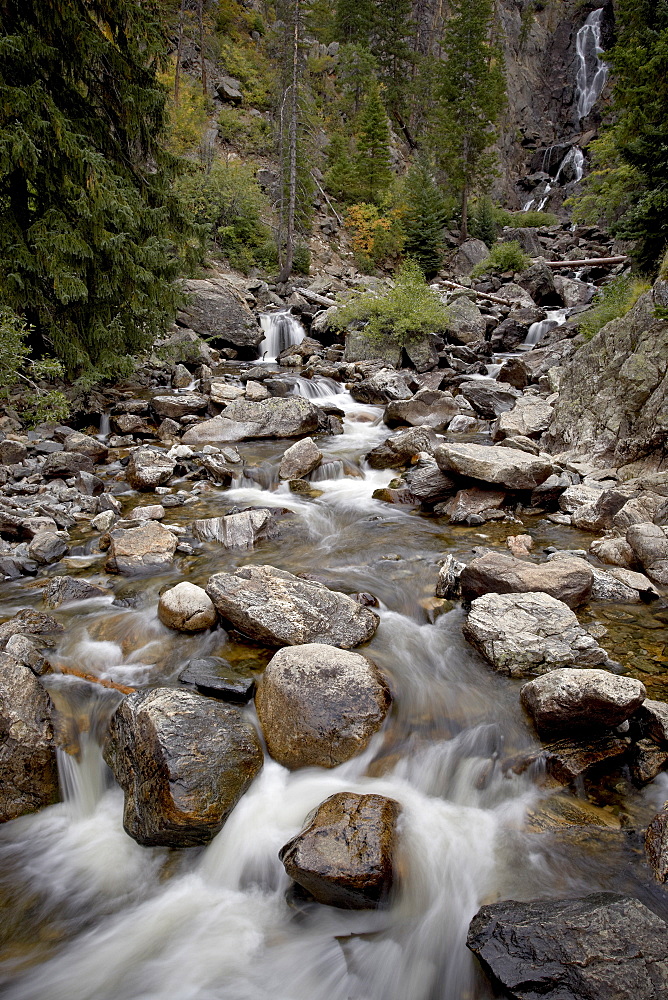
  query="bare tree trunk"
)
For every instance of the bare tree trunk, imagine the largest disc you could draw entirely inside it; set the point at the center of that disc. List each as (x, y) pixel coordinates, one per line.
(286, 270)
(464, 232)
(200, 17)
(179, 49)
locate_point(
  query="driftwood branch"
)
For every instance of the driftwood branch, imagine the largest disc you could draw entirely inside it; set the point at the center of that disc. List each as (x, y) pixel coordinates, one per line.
(72, 672)
(318, 300)
(594, 262)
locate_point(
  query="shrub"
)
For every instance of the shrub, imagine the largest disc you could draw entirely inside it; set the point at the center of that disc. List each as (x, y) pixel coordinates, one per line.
(524, 220)
(503, 257)
(403, 314)
(188, 118)
(612, 302)
(247, 133)
(40, 404)
(483, 222)
(375, 235)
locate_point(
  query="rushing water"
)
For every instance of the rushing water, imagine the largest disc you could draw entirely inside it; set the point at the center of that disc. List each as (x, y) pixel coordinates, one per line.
(592, 70)
(281, 330)
(88, 914)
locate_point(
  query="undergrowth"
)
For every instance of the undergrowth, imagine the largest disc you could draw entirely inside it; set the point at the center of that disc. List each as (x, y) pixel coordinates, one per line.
(612, 302)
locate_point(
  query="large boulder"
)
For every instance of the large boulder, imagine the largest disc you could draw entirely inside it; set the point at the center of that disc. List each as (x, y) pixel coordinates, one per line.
(83, 444)
(650, 546)
(183, 405)
(238, 531)
(472, 506)
(360, 347)
(581, 699)
(400, 449)
(183, 761)
(613, 402)
(469, 253)
(428, 484)
(488, 397)
(516, 470)
(466, 324)
(428, 408)
(63, 464)
(529, 417)
(186, 608)
(319, 706)
(291, 416)
(345, 855)
(148, 468)
(216, 309)
(145, 549)
(527, 634)
(299, 459)
(602, 947)
(569, 580)
(279, 609)
(538, 281)
(28, 766)
(383, 387)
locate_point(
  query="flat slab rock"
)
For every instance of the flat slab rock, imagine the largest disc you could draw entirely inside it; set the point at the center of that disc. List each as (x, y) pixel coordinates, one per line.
(603, 947)
(344, 856)
(290, 416)
(567, 580)
(319, 706)
(516, 470)
(140, 550)
(183, 762)
(571, 698)
(274, 607)
(527, 634)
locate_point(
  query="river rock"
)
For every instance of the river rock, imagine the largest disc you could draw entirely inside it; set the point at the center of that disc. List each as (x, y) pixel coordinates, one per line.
(488, 397)
(469, 253)
(466, 324)
(83, 444)
(568, 580)
(48, 547)
(238, 531)
(63, 589)
(28, 767)
(319, 706)
(571, 699)
(529, 417)
(428, 408)
(359, 347)
(147, 469)
(472, 506)
(179, 406)
(27, 650)
(291, 416)
(400, 449)
(384, 386)
(183, 761)
(215, 677)
(279, 609)
(652, 720)
(345, 855)
(500, 466)
(527, 634)
(429, 484)
(569, 759)
(514, 372)
(186, 608)
(656, 845)
(613, 552)
(650, 546)
(299, 459)
(12, 452)
(216, 309)
(148, 548)
(538, 281)
(29, 622)
(601, 947)
(63, 464)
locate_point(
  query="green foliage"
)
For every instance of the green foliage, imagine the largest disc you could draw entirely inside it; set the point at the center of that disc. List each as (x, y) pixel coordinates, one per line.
(424, 217)
(235, 22)
(372, 165)
(46, 407)
(36, 404)
(483, 221)
(403, 314)
(612, 302)
(249, 64)
(357, 71)
(376, 237)
(13, 349)
(340, 179)
(609, 188)
(188, 118)
(229, 204)
(92, 237)
(301, 261)
(353, 21)
(503, 257)
(249, 134)
(391, 44)
(524, 220)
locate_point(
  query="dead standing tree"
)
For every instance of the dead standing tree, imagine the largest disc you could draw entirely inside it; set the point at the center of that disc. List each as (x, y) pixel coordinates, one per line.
(288, 150)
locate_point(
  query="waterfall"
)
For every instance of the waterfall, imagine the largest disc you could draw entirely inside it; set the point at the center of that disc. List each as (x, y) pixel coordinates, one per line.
(592, 71)
(554, 318)
(281, 330)
(571, 169)
(315, 388)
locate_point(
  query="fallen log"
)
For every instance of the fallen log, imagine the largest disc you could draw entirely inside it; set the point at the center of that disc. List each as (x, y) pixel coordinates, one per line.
(593, 262)
(471, 291)
(72, 672)
(314, 297)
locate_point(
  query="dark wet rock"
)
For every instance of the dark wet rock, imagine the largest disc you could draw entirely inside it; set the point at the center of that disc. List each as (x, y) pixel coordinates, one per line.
(538, 281)
(183, 762)
(64, 464)
(528, 634)
(472, 506)
(647, 761)
(428, 484)
(319, 706)
(48, 547)
(179, 406)
(345, 855)
(63, 589)
(218, 469)
(488, 397)
(568, 580)
(12, 452)
(656, 846)
(566, 760)
(650, 546)
(576, 699)
(11, 525)
(651, 721)
(83, 444)
(29, 622)
(239, 531)
(215, 677)
(216, 309)
(498, 466)
(28, 767)
(186, 608)
(448, 585)
(396, 494)
(514, 372)
(291, 416)
(428, 408)
(384, 386)
(602, 947)
(299, 459)
(400, 449)
(148, 468)
(86, 483)
(277, 608)
(144, 549)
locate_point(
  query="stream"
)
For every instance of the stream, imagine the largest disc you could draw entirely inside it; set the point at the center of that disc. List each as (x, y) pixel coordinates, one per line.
(88, 914)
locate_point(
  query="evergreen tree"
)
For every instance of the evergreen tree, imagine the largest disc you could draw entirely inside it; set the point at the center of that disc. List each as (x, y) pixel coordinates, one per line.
(340, 179)
(391, 45)
(354, 20)
(357, 70)
(424, 218)
(469, 96)
(483, 224)
(89, 245)
(372, 166)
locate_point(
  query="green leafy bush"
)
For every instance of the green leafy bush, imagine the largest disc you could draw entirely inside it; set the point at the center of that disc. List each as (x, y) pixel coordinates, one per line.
(524, 220)
(38, 404)
(612, 302)
(503, 257)
(248, 133)
(13, 349)
(403, 314)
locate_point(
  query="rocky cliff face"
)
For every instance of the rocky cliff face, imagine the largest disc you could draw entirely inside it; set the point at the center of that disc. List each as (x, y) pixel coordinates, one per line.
(613, 403)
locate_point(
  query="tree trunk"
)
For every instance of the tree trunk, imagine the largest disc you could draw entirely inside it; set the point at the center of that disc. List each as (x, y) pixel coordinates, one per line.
(464, 232)
(179, 49)
(286, 270)
(200, 17)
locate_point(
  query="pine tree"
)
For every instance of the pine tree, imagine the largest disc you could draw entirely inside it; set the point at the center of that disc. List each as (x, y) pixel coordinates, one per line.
(424, 218)
(91, 235)
(469, 98)
(340, 179)
(353, 21)
(372, 165)
(391, 45)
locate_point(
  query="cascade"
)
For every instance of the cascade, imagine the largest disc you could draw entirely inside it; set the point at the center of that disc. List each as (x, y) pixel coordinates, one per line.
(315, 388)
(592, 71)
(570, 171)
(554, 318)
(281, 330)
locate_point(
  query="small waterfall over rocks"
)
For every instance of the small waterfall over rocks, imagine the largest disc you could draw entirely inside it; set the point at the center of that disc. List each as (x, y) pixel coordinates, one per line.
(281, 330)
(570, 171)
(554, 318)
(592, 71)
(315, 388)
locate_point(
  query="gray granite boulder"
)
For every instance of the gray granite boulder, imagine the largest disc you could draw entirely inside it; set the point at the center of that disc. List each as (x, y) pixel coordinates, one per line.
(575, 699)
(291, 416)
(569, 580)
(492, 464)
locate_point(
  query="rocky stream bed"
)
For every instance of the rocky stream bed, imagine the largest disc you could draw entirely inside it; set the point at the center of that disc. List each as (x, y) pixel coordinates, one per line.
(308, 667)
